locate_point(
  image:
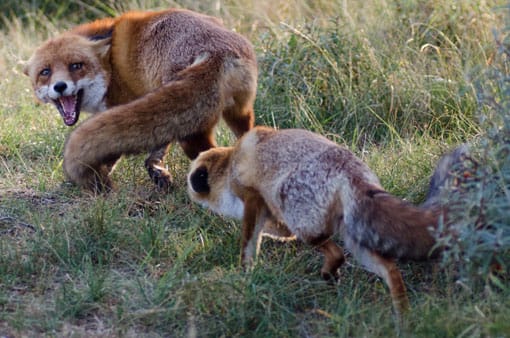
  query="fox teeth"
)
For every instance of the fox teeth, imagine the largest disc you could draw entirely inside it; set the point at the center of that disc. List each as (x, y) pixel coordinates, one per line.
(62, 101)
(69, 103)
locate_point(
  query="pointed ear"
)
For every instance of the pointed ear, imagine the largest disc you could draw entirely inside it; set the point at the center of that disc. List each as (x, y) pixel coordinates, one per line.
(102, 47)
(25, 67)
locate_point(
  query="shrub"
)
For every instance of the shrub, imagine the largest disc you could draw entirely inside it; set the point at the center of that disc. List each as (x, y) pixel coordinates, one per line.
(480, 199)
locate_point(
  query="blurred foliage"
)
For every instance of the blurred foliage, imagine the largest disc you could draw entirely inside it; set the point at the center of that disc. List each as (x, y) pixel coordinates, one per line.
(478, 237)
(55, 10)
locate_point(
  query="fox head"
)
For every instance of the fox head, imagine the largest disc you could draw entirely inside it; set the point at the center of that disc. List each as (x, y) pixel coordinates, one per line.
(209, 182)
(69, 72)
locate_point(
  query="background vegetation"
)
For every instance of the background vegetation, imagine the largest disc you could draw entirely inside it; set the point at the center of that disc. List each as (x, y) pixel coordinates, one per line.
(399, 82)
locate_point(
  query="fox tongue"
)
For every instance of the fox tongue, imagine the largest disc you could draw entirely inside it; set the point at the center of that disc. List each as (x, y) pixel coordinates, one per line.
(68, 108)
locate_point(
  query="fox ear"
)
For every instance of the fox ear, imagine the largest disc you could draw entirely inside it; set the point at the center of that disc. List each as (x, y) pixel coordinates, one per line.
(24, 65)
(198, 180)
(102, 47)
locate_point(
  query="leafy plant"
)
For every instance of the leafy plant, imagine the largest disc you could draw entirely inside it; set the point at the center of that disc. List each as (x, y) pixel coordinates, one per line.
(478, 238)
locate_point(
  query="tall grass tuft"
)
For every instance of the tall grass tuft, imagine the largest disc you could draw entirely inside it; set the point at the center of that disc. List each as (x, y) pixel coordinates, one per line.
(397, 76)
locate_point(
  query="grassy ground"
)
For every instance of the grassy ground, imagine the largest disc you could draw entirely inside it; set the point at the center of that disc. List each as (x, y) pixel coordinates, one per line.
(391, 80)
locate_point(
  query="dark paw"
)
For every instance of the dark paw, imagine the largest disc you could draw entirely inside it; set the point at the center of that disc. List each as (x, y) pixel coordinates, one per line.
(330, 276)
(161, 178)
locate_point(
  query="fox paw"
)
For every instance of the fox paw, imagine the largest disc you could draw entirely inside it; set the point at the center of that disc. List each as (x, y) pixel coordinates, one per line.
(161, 177)
(330, 276)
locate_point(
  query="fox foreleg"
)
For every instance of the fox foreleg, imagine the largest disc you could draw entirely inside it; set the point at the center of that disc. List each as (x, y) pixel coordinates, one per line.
(254, 218)
(155, 166)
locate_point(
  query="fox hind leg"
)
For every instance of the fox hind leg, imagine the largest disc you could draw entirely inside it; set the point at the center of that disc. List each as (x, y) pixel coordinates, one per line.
(333, 259)
(239, 115)
(194, 144)
(386, 269)
(239, 119)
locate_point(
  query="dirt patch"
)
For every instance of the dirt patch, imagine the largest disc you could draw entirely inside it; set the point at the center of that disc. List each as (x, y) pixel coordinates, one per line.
(17, 207)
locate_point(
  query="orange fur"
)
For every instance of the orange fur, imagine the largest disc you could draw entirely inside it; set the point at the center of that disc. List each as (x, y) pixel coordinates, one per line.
(154, 78)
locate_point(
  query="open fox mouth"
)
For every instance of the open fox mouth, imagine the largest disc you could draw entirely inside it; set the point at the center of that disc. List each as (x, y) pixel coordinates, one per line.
(69, 107)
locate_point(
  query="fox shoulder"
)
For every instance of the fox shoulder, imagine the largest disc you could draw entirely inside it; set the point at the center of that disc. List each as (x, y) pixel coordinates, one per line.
(246, 159)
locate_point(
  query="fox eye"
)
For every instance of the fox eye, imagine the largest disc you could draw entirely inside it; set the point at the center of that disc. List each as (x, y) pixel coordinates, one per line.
(45, 72)
(75, 66)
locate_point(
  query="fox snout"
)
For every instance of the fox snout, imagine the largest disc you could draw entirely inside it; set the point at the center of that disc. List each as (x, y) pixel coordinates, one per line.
(60, 87)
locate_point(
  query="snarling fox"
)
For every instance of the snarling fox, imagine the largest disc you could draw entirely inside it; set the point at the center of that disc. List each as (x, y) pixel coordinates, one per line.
(153, 78)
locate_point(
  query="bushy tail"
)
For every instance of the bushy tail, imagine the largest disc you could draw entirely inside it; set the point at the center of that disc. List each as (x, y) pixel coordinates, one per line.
(399, 229)
(395, 228)
(441, 178)
(189, 105)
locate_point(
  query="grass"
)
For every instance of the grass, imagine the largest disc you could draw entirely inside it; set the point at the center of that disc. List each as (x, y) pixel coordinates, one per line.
(392, 81)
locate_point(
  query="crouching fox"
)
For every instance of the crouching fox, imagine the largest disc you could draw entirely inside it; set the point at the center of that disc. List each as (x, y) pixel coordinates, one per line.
(153, 78)
(314, 189)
